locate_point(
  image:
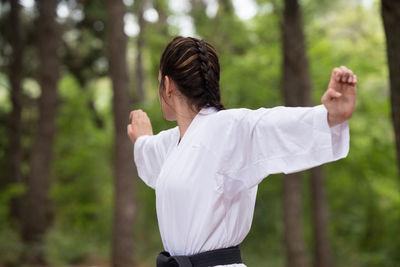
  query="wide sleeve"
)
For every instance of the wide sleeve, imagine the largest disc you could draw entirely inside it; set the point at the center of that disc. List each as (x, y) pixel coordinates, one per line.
(150, 152)
(281, 140)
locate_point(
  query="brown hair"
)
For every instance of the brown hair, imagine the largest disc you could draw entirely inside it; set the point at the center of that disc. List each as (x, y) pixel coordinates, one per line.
(193, 65)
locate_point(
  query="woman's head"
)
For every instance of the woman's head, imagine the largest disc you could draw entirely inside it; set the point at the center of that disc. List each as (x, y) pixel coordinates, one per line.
(192, 65)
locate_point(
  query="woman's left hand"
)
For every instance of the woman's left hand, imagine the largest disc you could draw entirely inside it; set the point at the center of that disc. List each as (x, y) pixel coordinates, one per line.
(340, 98)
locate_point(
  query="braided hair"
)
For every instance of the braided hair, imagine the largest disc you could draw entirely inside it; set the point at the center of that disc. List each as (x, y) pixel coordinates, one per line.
(193, 65)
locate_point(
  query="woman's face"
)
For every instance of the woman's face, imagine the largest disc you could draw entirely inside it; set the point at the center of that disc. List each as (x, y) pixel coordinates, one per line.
(165, 101)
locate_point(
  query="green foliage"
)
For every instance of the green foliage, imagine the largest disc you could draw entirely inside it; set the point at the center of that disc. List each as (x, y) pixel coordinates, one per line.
(82, 179)
(71, 246)
(13, 247)
(362, 190)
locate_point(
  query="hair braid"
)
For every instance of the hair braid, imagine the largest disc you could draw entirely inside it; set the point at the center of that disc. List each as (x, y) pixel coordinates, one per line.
(211, 83)
(204, 61)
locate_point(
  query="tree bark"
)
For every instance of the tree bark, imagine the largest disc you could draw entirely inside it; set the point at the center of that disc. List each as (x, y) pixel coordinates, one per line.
(140, 45)
(296, 76)
(200, 4)
(14, 152)
(322, 252)
(37, 212)
(296, 92)
(162, 8)
(226, 7)
(122, 243)
(390, 10)
(294, 241)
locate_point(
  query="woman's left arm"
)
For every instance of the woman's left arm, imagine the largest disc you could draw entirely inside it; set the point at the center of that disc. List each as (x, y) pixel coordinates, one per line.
(340, 97)
(291, 139)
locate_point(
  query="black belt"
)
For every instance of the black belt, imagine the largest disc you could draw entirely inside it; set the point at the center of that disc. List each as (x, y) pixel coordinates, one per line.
(221, 256)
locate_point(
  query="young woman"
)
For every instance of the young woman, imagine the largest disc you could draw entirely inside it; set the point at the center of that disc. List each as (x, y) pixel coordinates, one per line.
(206, 170)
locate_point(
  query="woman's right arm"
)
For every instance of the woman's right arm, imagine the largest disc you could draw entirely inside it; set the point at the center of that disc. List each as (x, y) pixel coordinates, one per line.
(149, 150)
(140, 125)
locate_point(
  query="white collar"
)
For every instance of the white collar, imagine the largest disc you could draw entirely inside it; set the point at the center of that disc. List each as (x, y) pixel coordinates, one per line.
(207, 110)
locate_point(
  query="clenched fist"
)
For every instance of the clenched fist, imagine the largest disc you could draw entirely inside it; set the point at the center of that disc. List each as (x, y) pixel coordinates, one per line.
(140, 125)
(340, 98)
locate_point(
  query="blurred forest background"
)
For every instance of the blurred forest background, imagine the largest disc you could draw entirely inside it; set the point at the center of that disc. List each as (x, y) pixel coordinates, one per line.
(70, 72)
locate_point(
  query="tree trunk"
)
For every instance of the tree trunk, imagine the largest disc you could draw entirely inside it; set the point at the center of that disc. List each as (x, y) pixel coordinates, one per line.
(37, 213)
(322, 256)
(296, 76)
(14, 152)
(162, 8)
(198, 4)
(226, 7)
(122, 243)
(391, 22)
(294, 241)
(140, 45)
(296, 92)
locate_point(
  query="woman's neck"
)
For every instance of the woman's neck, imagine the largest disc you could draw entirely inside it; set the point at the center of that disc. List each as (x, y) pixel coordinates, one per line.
(184, 117)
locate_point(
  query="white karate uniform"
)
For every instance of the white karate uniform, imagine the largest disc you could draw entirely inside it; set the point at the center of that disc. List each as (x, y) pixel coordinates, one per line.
(206, 184)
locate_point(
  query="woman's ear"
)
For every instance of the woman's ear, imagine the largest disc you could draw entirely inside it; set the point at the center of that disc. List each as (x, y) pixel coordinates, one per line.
(169, 86)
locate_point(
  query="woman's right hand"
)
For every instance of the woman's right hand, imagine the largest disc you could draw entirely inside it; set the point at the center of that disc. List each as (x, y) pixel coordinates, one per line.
(140, 125)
